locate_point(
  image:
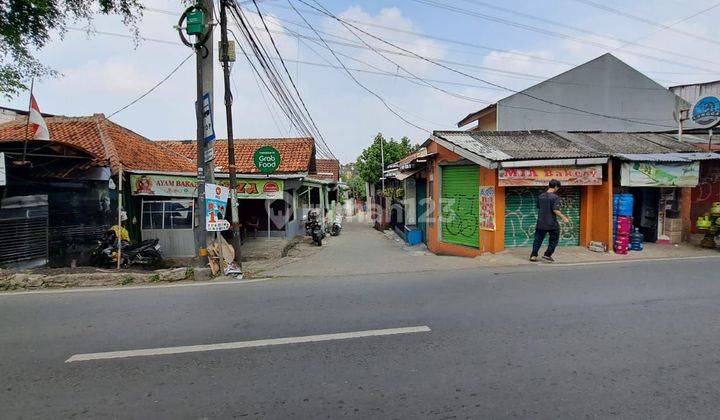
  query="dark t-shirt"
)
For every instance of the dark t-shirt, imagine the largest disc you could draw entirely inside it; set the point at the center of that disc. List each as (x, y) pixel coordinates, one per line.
(547, 203)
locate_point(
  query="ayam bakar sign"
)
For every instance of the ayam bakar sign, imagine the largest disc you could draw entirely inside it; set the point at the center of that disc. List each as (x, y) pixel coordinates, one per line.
(539, 176)
(181, 186)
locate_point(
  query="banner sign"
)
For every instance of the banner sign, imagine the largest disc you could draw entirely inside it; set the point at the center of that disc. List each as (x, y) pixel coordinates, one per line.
(540, 176)
(216, 197)
(208, 128)
(650, 174)
(3, 177)
(184, 186)
(487, 208)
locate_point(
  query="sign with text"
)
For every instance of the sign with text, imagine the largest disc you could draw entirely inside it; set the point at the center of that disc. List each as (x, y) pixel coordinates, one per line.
(650, 174)
(185, 186)
(216, 197)
(3, 177)
(706, 112)
(487, 208)
(540, 176)
(266, 159)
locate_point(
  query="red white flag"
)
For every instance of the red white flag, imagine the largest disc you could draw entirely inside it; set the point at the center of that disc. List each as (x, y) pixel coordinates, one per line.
(36, 121)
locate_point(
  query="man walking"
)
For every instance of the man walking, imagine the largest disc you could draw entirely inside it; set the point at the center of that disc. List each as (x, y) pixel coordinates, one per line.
(548, 211)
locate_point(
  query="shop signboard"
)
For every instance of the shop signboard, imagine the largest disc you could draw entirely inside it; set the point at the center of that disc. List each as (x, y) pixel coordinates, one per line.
(3, 177)
(706, 112)
(266, 159)
(540, 176)
(216, 197)
(185, 186)
(650, 174)
(487, 208)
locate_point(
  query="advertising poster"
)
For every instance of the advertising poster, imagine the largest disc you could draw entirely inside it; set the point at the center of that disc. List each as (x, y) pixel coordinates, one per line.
(540, 176)
(216, 198)
(487, 208)
(650, 174)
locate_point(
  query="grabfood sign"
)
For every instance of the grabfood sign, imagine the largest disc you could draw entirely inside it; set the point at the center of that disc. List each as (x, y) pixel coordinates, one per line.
(266, 159)
(706, 112)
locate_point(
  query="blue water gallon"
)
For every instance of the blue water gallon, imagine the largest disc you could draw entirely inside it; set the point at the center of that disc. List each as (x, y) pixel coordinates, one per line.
(624, 205)
(636, 240)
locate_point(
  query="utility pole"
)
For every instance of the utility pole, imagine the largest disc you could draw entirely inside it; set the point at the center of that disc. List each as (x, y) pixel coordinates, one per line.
(226, 59)
(205, 61)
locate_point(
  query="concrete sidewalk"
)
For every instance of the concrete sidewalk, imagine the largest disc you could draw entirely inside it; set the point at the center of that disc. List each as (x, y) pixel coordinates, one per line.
(361, 249)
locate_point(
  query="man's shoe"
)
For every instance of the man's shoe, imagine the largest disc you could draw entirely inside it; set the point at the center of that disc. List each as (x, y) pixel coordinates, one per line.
(533, 258)
(548, 259)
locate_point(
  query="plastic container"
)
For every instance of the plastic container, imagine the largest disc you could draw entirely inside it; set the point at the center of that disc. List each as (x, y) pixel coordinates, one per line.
(623, 204)
(636, 240)
(624, 225)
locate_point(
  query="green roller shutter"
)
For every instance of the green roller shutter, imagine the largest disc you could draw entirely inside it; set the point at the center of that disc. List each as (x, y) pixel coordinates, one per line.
(460, 188)
(521, 216)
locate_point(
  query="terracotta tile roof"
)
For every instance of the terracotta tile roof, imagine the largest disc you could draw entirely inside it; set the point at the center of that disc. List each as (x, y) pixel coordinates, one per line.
(107, 141)
(296, 154)
(327, 169)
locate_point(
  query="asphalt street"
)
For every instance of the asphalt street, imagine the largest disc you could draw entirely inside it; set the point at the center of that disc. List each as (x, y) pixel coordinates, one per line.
(630, 340)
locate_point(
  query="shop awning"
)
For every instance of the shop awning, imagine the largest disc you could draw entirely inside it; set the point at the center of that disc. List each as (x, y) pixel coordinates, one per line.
(404, 175)
(669, 157)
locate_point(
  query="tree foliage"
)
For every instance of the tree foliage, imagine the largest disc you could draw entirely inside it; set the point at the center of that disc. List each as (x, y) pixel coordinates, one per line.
(28, 25)
(368, 164)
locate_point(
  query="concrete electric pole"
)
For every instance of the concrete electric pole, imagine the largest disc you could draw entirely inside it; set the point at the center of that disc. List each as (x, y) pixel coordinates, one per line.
(199, 24)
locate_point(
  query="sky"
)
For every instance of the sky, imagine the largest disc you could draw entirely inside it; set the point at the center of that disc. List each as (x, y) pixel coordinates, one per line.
(510, 43)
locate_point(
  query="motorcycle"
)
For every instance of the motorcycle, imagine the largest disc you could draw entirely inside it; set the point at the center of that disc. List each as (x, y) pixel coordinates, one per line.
(336, 225)
(146, 253)
(313, 228)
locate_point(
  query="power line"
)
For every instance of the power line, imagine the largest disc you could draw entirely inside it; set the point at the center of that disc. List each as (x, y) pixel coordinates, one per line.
(322, 9)
(380, 98)
(583, 30)
(645, 20)
(277, 51)
(543, 31)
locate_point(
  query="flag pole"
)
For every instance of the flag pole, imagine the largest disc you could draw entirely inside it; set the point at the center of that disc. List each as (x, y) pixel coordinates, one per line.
(27, 124)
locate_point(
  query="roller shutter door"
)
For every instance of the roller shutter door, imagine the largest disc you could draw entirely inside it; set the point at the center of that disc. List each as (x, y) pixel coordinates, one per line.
(460, 206)
(521, 216)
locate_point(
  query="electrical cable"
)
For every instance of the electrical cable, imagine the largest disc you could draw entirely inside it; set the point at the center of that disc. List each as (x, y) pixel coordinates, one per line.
(323, 10)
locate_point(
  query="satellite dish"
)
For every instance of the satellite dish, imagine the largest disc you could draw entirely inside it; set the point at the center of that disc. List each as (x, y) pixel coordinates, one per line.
(705, 113)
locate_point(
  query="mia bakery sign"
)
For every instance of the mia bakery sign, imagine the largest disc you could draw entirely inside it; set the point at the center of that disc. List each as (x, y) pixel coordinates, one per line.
(706, 112)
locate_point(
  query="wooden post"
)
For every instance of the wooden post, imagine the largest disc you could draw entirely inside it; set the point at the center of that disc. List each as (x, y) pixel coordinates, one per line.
(119, 232)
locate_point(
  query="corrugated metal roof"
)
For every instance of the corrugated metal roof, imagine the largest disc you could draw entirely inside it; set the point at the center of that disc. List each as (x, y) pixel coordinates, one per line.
(501, 146)
(668, 157)
(632, 143)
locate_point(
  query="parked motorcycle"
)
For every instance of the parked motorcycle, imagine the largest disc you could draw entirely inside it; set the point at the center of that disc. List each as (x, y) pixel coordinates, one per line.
(146, 253)
(336, 225)
(313, 228)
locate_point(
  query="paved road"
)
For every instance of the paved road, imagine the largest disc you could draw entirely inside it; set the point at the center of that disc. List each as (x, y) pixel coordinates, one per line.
(632, 341)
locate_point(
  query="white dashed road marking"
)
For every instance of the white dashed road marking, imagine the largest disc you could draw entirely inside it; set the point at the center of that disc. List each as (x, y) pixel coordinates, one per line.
(244, 344)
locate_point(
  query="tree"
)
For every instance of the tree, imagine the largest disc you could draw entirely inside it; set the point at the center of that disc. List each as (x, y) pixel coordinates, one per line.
(28, 25)
(368, 164)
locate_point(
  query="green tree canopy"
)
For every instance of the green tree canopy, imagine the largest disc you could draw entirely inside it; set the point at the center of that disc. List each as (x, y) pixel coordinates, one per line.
(28, 25)
(368, 163)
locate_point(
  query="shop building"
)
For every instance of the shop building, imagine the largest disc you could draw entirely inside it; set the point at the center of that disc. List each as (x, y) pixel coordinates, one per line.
(269, 205)
(75, 175)
(482, 187)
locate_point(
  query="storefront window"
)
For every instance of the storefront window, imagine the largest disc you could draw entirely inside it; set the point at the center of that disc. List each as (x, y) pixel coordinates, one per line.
(167, 214)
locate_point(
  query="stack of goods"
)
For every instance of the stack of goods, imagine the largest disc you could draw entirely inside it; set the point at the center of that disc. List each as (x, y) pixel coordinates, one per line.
(622, 222)
(672, 228)
(709, 224)
(636, 240)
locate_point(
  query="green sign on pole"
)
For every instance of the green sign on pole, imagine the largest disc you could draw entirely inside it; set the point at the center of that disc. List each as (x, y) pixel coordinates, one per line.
(267, 159)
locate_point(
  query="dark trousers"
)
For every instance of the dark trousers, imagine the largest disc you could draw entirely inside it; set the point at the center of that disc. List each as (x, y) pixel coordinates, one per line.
(540, 237)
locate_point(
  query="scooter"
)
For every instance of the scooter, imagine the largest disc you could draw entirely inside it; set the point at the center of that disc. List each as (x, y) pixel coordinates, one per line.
(313, 228)
(146, 253)
(336, 225)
